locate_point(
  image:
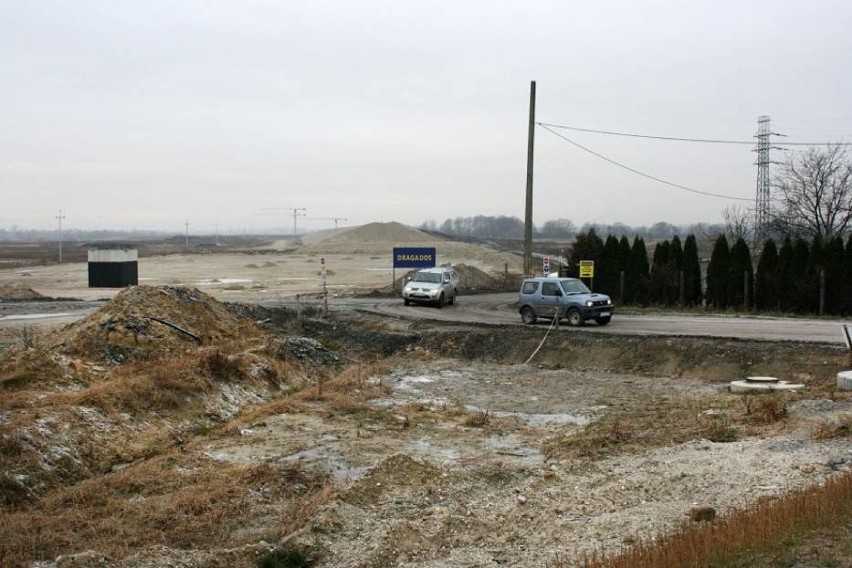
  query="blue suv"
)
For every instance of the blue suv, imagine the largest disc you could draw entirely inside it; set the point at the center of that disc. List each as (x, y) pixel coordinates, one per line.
(569, 298)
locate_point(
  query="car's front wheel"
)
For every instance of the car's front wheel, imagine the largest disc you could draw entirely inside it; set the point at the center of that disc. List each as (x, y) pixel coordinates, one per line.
(575, 318)
(528, 315)
(603, 320)
(405, 301)
(440, 303)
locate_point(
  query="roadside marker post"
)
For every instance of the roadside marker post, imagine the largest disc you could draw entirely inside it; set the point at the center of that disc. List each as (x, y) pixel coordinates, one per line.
(324, 277)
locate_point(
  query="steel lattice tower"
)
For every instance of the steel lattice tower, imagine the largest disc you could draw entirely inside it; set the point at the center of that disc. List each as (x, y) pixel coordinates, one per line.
(761, 205)
(762, 212)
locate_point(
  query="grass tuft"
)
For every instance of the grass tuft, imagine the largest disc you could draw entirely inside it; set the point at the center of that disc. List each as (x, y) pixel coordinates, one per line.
(766, 408)
(285, 558)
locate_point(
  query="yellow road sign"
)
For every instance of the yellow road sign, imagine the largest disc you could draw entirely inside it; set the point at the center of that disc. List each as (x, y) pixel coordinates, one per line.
(587, 269)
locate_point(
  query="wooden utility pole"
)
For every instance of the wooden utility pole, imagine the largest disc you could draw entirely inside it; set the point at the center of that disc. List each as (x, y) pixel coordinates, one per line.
(528, 218)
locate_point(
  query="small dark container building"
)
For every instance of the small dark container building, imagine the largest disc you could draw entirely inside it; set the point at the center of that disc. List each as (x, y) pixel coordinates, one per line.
(114, 266)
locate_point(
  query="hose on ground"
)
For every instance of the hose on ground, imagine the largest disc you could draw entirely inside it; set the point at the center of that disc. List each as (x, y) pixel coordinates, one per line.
(553, 323)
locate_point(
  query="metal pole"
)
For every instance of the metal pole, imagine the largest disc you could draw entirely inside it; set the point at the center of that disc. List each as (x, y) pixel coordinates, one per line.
(295, 215)
(528, 218)
(821, 292)
(60, 217)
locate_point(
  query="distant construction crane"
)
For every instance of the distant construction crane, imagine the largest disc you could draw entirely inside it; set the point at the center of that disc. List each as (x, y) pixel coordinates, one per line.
(297, 212)
(335, 219)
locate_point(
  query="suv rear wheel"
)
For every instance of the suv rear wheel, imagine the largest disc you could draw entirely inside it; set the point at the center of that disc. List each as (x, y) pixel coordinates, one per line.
(528, 315)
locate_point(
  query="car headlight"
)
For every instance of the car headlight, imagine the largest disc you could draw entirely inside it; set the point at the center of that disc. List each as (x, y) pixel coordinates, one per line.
(609, 301)
(589, 303)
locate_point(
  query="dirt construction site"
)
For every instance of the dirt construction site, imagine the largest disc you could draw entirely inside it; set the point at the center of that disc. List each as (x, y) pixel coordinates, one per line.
(219, 415)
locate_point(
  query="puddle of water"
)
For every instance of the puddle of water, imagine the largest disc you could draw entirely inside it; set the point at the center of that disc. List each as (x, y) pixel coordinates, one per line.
(431, 402)
(537, 420)
(408, 384)
(424, 447)
(329, 461)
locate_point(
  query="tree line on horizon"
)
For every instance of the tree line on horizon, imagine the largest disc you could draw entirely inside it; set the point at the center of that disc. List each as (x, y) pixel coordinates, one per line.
(507, 227)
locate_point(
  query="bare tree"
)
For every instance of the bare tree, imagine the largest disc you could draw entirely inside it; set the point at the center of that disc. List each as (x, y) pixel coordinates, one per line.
(739, 223)
(558, 228)
(814, 193)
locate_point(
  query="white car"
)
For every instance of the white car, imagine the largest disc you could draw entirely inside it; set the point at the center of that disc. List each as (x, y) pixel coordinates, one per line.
(435, 286)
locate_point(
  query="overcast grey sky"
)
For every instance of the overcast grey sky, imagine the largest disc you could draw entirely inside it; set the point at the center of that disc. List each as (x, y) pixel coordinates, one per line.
(146, 114)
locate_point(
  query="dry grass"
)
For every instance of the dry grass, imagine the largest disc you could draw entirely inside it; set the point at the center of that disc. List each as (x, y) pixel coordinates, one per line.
(740, 538)
(358, 382)
(172, 500)
(481, 419)
(650, 422)
(346, 392)
(766, 408)
(841, 428)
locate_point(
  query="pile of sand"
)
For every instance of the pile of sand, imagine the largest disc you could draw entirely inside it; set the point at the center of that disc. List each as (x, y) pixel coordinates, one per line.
(369, 239)
(142, 321)
(369, 233)
(471, 279)
(16, 292)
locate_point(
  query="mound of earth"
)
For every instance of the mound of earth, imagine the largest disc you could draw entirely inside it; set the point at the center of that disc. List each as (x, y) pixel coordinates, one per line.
(373, 238)
(13, 292)
(144, 320)
(471, 279)
(371, 232)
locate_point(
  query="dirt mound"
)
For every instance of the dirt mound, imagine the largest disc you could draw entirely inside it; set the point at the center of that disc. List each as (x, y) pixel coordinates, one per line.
(13, 292)
(143, 320)
(373, 238)
(369, 233)
(471, 279)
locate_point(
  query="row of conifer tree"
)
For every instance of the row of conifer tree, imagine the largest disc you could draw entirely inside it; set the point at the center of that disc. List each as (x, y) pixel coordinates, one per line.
(799, 276)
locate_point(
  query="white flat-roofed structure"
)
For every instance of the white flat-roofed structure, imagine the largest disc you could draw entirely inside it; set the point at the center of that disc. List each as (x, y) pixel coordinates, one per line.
(113, 266)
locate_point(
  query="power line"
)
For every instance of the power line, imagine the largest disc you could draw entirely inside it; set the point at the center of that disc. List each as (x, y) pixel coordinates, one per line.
(678, 139)
(630, 135)
(637, 172)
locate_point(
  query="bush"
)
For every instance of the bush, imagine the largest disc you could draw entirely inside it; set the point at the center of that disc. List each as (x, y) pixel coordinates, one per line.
(284, 558)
